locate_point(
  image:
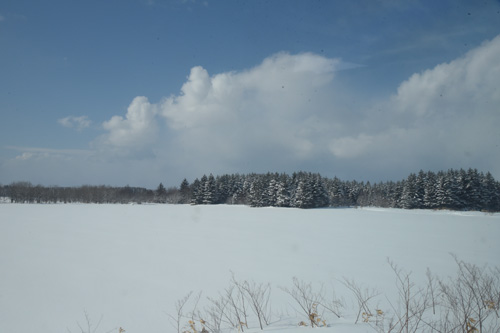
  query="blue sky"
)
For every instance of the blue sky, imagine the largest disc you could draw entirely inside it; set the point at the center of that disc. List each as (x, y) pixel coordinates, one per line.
(140, 92)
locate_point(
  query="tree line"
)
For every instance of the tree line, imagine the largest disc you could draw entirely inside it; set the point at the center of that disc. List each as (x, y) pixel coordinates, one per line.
(25, 192)
(452, 189)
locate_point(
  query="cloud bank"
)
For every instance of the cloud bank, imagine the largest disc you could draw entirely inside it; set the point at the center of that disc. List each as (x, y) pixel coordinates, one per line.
(234, 121)
(444, 117)
(286, 114)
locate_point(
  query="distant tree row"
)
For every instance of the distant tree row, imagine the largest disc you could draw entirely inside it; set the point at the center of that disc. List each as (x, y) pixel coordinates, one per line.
(25, 192)
(452, 189)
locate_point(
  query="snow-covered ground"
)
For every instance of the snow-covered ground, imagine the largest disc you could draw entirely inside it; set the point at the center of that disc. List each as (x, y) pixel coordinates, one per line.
(131, 263)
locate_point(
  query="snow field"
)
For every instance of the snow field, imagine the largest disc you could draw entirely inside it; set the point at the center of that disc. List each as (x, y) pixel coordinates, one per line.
(131, 263)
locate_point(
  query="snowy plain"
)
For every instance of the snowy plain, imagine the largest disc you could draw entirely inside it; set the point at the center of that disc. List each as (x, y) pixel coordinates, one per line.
(129, 264)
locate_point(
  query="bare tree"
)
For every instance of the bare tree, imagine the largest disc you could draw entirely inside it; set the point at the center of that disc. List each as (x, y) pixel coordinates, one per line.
(333, 304)
(363, 296)
(258, 295)
(179, 311)
(236, 313)
(307, 299)
(468, 303)
(412, 303)
(214, 314)
(89, 326)
(473, 298)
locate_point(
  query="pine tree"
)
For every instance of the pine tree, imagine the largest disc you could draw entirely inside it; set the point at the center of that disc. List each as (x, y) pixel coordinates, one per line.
(335, 192)
(161, 194)
(185, 191)
(430, 200)
(272, 193)
(282, 194)
(449, 190)
(409, 195)
(223, 187)
(304, 194)
(365, 195)
(299, 196)
(473, 189)
(353, 188)
(489, 196)
(319, 194)
(209, 192)
(256, 193)
(197, 190)
(420, 189)
(440, 191)
(461, 196)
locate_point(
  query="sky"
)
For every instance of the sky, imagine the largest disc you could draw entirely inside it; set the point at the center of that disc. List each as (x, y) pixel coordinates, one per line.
(138, 92)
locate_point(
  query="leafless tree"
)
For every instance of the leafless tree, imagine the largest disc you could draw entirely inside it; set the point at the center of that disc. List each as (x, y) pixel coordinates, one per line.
(236, 312)
(258, 295)
(333, 304)
(307, 299)
(412, 303)
(472, 299)
(214, 314)
(179, 311)
(89, 326)
(363, 296)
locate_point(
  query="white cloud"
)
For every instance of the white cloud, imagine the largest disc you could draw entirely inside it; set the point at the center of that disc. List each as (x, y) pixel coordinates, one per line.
(231, 120)
(458, 101)
(79, 123)
(286, 114)
(137, 130)
(2, 18)
(444, 117)
(272, 107)
(467, 84)
(24, 156)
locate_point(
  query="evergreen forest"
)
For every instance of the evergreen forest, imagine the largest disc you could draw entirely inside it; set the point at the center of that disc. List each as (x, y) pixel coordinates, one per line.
(452, 189)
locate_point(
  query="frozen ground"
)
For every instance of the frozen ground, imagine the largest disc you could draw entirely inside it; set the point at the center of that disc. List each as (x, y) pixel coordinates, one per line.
(131, 263)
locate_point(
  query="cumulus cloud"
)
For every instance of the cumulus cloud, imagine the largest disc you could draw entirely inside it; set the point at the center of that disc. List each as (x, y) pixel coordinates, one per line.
(285, 114)
(79, 123)
(231, 118)
(467, 84)
(253, 114)
(446, 116)
(134, 132)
